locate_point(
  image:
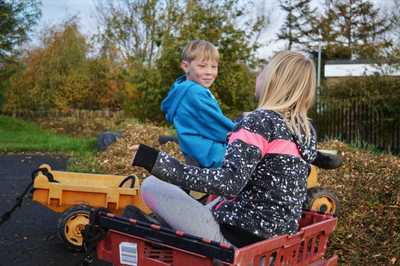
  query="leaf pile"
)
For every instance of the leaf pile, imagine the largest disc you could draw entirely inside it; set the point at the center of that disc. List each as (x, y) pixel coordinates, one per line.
(117, 159)
(368, 187)
(79, 126)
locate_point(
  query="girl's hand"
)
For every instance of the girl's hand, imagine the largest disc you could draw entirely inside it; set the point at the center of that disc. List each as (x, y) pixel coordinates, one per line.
(134, 149)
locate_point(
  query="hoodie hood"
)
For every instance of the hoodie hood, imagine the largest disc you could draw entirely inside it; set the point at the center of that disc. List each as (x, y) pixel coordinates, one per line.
(200, 125)
(175, 95)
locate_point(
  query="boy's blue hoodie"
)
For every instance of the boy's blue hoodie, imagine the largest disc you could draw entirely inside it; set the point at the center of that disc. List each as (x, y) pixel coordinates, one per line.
(201, 126)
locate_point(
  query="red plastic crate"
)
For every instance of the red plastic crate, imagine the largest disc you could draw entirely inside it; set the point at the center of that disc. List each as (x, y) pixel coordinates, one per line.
(307, 247)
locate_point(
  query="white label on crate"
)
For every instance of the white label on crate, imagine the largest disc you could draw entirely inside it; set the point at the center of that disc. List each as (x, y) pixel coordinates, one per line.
(128, 254)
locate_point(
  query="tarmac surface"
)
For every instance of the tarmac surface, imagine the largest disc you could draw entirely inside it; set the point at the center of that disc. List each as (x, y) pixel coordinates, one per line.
(29, 237)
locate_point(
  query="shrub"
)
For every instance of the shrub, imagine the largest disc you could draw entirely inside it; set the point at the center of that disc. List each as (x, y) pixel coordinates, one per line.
(379, 92)
(363, 111)
(149, 79)
(60, 75)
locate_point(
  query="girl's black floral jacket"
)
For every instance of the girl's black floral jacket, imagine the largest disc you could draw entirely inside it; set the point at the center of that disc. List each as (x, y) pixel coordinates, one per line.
(263, 179)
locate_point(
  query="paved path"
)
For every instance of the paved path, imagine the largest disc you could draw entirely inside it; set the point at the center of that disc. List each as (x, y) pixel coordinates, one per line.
(29, 238)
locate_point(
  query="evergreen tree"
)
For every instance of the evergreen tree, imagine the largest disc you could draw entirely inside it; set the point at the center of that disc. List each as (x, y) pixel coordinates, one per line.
(16, 19)
(298, 23)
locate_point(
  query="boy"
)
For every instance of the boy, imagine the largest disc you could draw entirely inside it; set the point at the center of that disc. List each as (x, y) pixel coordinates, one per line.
(200, 124)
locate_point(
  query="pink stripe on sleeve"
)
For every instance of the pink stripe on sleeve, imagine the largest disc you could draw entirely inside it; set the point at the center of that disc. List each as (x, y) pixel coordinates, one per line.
(278, 146)
(250, 138)
(282, 146)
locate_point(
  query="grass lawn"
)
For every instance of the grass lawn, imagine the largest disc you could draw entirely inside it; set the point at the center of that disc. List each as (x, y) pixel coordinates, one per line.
(17, 135)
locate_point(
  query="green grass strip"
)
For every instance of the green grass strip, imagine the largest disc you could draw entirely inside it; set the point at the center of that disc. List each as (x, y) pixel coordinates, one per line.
(17, 135)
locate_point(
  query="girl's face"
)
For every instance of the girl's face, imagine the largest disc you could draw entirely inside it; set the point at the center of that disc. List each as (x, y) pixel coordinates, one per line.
(203, 72)
(260, 83)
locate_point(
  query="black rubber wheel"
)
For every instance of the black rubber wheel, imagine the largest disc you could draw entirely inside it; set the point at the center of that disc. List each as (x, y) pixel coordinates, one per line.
(322, 200)
(70, 224)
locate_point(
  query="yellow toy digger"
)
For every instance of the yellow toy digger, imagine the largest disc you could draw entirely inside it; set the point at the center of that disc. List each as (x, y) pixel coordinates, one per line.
(74, 194)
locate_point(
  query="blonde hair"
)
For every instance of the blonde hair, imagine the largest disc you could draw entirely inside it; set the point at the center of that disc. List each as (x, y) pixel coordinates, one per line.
(200, 49)
(287, 85)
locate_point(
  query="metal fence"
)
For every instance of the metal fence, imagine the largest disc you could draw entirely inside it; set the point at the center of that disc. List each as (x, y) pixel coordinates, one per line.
(358, 122)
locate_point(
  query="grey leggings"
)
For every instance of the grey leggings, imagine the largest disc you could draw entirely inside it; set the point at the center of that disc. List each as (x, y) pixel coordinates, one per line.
(179, 210)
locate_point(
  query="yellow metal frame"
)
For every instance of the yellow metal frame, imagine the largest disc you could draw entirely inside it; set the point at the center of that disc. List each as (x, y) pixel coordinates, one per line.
(95, 190)
(312, 179)
(98, 190)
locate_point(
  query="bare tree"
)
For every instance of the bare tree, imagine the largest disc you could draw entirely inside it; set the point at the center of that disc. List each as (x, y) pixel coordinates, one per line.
(358, 26)
(132, 26)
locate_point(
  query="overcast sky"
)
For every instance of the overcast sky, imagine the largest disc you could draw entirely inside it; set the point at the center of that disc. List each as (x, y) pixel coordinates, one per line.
(55, 11)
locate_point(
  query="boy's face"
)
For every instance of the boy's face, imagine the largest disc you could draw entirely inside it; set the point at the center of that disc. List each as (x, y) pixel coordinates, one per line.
(201, 71)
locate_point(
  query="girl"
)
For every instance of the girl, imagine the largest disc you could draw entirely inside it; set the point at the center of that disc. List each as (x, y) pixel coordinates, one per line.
(262, 180)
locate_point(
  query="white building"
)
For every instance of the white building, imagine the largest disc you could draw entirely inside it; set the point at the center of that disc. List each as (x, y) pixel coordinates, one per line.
(357, 68)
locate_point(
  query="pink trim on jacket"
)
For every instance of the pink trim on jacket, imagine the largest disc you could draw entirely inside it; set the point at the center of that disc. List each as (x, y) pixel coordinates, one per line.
(277, 146)
(223, 200)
